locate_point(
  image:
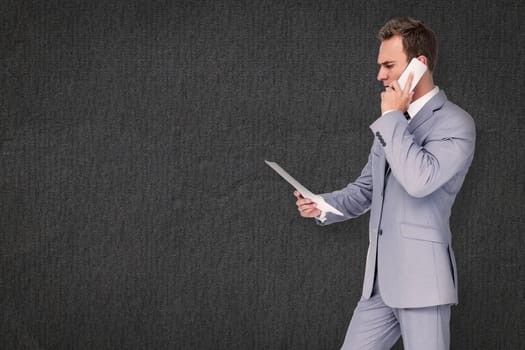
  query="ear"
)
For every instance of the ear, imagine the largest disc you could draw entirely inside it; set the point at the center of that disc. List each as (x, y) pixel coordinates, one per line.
(423, 59)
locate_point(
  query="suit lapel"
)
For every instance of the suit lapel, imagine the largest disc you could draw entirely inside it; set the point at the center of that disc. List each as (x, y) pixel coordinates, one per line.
(427, 111)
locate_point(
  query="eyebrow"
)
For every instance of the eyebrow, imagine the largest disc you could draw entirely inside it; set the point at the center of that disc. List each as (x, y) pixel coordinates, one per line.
(386, 63)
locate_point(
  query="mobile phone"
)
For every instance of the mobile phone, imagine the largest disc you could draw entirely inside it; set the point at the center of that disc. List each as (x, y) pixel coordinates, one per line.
(416, 66)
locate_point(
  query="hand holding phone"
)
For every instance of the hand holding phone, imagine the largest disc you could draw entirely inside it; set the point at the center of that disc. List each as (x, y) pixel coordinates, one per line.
(391, 99)
(415, 66)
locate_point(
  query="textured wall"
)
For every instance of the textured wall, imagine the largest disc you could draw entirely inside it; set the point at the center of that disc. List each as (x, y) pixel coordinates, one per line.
(136, 211)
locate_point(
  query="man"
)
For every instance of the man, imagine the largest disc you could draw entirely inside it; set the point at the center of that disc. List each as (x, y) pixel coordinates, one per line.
(415, 169)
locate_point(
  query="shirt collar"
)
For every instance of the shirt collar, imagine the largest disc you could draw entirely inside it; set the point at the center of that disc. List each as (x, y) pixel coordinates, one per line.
(416, 106)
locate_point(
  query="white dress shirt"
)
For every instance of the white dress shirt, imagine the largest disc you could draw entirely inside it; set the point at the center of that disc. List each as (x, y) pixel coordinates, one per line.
(416, 105)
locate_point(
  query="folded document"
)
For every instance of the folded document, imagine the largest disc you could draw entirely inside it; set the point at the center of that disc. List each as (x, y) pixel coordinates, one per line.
(321, 204)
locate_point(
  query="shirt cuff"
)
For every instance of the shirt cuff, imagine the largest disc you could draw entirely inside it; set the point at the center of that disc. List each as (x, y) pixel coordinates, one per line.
(322, 217)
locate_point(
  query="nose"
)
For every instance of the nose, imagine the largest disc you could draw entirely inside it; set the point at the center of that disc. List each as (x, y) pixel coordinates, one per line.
(381, 75)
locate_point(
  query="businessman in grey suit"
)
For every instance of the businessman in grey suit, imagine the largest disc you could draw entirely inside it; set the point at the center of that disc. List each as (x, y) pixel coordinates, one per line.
(415, 169)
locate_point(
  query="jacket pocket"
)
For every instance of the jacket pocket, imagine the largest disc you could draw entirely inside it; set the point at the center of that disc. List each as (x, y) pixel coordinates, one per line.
(423, 233)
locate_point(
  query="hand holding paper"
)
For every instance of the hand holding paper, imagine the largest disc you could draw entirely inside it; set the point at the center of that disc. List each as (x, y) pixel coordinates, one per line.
(321, 203)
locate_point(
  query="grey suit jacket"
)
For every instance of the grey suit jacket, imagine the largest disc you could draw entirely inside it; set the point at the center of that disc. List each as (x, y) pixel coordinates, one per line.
(410, 238)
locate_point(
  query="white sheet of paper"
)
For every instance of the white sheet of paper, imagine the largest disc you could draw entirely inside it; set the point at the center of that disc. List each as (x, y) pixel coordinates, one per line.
(321, 204)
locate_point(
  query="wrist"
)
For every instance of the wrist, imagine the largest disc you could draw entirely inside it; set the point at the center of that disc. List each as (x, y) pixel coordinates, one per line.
(388, 111)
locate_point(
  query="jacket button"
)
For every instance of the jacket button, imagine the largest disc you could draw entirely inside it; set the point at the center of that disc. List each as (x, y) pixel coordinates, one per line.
(380, 232)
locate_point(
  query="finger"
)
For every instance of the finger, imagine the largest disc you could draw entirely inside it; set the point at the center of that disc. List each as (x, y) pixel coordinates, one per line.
(298, 194)
(310, 213)
(305, 206)
(303, 201)
(392, 88)
(395, 86)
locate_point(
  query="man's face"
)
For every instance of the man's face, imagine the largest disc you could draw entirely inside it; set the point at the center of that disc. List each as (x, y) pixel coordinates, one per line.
(392, 60)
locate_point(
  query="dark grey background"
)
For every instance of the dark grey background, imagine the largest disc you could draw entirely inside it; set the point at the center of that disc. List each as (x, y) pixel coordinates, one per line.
(137, 212)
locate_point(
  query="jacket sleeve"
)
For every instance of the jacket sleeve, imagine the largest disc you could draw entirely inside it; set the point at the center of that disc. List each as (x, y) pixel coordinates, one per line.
(423, 168)
(353, 200)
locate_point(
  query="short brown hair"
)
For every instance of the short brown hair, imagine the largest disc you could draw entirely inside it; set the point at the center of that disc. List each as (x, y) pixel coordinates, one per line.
(418, 38)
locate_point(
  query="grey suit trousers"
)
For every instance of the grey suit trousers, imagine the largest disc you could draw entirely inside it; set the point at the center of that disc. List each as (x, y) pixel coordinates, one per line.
(376, 326)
